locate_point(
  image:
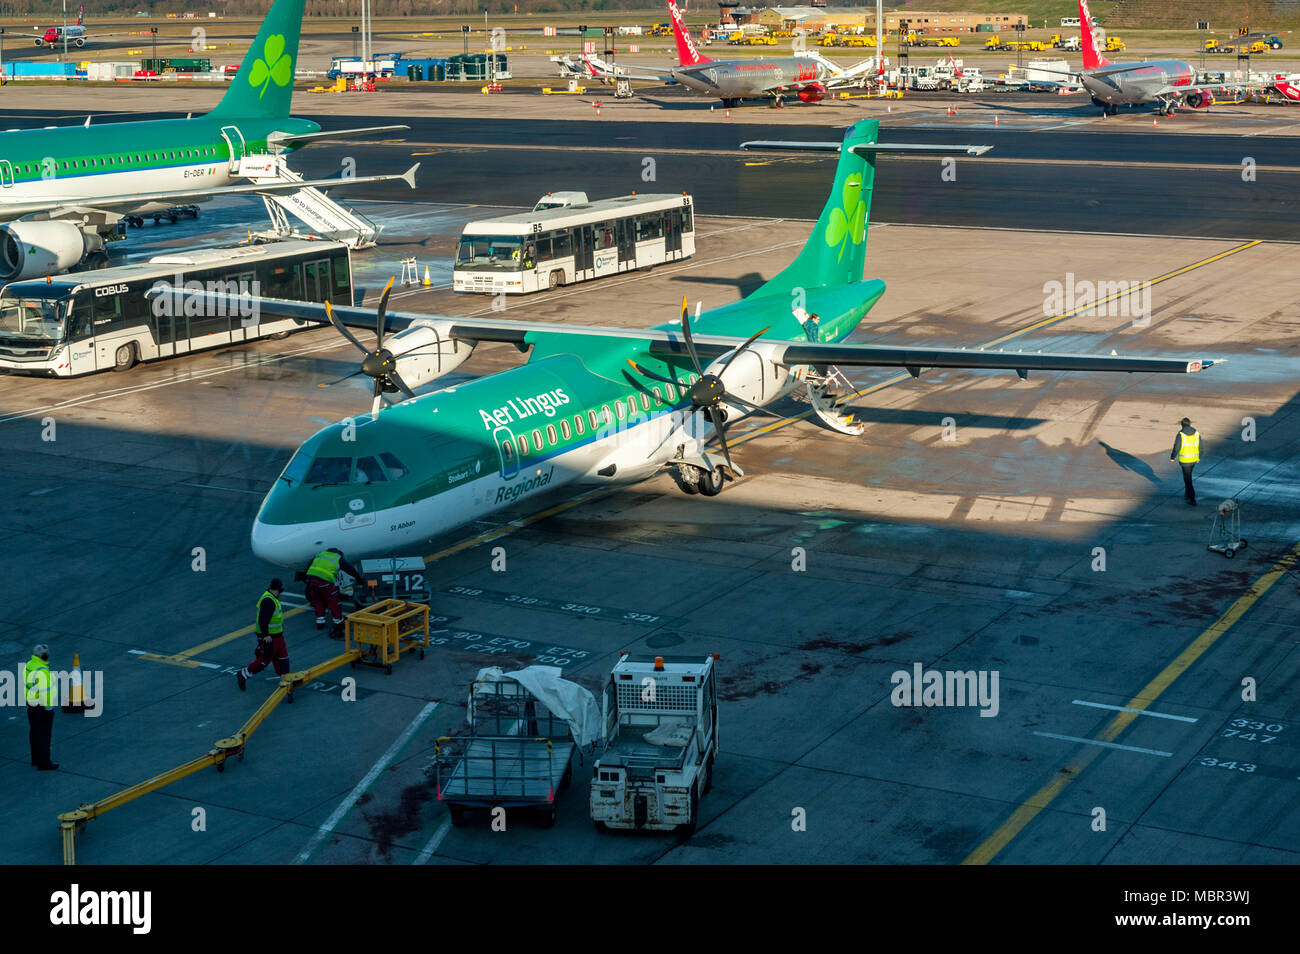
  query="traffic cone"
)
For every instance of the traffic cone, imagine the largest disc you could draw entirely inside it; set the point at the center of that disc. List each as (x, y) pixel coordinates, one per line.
(728, 114)
(995, 120)
(427, 280)
(76, 701)
(1154, 122)
(889, 109)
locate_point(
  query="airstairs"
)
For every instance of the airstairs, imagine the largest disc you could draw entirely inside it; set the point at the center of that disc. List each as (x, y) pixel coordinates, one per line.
(319, 212)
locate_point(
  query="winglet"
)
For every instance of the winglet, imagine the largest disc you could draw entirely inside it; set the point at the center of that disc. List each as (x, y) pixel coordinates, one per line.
(1200, 365)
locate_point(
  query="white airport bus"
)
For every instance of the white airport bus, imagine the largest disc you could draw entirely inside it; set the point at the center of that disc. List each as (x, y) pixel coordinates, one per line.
(102, 319)
(556, 244)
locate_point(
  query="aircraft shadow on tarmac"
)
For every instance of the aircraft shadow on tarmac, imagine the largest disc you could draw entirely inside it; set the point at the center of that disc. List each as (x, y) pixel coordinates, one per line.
(1129, 462)
(745, 284)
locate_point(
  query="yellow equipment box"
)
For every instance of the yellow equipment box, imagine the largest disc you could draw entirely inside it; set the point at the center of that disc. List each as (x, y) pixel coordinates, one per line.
(383, 631)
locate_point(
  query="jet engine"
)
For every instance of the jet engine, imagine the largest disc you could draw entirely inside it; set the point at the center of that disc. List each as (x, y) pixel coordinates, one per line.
(812, 93)
(33, 249)
(426, 350)
(1200, 99)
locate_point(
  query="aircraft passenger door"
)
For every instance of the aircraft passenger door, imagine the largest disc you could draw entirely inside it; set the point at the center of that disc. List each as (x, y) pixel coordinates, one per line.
(238, 148)
(507, 451)
(6, 174)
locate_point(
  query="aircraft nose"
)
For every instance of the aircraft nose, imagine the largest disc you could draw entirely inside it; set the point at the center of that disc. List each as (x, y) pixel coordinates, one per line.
(281, 545)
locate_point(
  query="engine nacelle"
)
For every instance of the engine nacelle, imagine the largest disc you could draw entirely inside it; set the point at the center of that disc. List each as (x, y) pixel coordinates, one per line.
(812, 93)
(33, 249)
(1201, 99)
(755, 375)
(426, 351)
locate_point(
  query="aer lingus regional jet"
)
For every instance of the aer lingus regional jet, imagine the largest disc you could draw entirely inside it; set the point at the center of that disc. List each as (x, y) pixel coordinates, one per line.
(64, 190)
(597, 405)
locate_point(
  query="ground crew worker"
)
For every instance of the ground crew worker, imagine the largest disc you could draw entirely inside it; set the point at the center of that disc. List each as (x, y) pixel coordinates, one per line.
(1187, 451)
(270, 637)
(40, 706)
(323, 590)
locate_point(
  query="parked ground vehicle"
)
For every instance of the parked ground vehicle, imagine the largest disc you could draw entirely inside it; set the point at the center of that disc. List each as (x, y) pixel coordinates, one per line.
(659, 718)
(525, 727)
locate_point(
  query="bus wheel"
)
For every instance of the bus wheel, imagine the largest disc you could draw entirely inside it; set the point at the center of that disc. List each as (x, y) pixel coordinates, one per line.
(556, 279)
(280, 335)
(125, 357)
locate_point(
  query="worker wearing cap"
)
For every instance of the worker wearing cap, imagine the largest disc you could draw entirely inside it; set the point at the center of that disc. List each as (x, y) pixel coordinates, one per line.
(40, 706)
(1187, 451)
(270, 636)
(323, 590)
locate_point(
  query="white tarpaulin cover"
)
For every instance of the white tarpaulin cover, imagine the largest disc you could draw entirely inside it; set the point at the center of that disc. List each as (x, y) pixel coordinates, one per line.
(567, 700)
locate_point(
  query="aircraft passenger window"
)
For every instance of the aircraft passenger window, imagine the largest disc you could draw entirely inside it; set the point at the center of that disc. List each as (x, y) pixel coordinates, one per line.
(329, 470)
(659, 398)
(507, 451)
(618, 407)
(631, 406)
(550, 434)
(645, 401)
(591, 416)
(537, 439)
(368, 471)
(671, 392)
(523, 445)
(578, 423)
(604, 410)
(565, 432)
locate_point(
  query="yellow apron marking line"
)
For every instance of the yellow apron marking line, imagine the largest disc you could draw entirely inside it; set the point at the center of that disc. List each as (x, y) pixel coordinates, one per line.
(185, 657)
(1023, 815)
(899, 378)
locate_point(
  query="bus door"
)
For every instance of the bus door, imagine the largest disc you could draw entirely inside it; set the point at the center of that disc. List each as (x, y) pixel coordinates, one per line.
(626, 243)
(673, 231)
(584, 250)
(107, 324)
(235, 140)
(507, 451)
(6, 174)
(316, 280)
(245, 282)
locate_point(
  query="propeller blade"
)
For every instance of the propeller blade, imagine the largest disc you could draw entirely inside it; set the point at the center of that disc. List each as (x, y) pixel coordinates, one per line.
(380, 324)
(343, 330)
(649, 374)
(392, 376)
(721, 429)
(690, 342)
(731, 357)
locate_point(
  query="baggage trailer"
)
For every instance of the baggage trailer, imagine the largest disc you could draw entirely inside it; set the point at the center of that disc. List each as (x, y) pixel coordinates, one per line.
(519, 752)
(660, 720)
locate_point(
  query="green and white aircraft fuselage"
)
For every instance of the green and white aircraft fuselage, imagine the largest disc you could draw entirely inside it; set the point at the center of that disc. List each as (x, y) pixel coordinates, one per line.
(596, 405)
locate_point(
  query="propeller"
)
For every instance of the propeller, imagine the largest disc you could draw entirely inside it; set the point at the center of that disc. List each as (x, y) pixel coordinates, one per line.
(708, 392)
(379, 363)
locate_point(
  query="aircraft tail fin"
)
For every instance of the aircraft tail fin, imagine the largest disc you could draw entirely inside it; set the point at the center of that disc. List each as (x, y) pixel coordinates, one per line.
(687, 54)
(263, 87)
(80, 10)
(1092, 55)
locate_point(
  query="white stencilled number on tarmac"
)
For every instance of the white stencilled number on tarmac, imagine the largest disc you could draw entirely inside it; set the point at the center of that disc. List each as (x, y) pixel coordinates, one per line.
(588, 610)
(489, 644)
(1263, 733)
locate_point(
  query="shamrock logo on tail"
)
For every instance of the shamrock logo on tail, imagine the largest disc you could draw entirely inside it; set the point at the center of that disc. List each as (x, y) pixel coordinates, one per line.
(275, 66)
(847, 222)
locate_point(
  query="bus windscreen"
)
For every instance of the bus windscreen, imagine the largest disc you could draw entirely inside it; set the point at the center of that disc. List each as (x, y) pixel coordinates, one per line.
(490, 251)
(40, 319)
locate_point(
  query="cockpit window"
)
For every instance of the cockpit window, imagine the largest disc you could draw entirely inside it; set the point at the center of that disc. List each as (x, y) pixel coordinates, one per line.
(396, 469)
(297, 468)
(330, 470)
(368, 471)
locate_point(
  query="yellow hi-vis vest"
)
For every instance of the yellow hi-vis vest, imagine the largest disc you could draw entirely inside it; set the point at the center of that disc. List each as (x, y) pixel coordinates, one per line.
(325, 566)
(39, 683)
(276, 626)
(1189, 451)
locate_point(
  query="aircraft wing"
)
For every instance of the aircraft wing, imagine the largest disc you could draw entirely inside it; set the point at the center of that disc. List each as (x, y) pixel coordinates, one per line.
(664, 343)
(601, 69)
(132, 200)
(281, 138)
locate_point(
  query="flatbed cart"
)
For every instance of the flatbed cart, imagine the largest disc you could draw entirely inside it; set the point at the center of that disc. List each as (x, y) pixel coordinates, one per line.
(1225, 531)
(518, 753)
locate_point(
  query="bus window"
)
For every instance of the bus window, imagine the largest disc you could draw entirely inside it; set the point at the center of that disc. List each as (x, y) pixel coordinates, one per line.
(317, 279)
(605, 235)
(688, 225)
(282, 281)
(368, 471)
(396, 469)
(489, 251)
(108, 314)
(329, 470)
(649, 226)
(561, 245)
(342, 281)
(544, 248)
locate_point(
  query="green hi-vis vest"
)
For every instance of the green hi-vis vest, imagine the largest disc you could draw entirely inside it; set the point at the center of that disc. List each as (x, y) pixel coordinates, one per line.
(325, 566)
(276, 626)
(40, 685)
(1189, 451)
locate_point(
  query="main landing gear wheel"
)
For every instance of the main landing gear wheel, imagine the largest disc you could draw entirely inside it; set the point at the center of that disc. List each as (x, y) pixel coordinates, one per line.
(711, 482)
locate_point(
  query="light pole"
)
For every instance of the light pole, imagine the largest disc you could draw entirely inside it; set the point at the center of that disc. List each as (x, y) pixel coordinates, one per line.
(65, 32)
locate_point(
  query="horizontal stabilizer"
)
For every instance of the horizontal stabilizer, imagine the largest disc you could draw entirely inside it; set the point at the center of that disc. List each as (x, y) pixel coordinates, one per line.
(869, 148)
(281, 138)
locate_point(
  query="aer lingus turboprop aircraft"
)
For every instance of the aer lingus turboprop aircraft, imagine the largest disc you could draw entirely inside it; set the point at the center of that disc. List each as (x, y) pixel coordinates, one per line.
(596, 405)
(62, 190)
